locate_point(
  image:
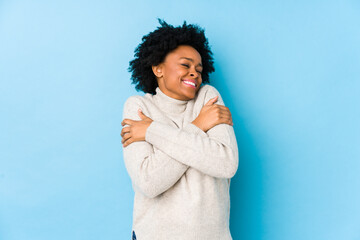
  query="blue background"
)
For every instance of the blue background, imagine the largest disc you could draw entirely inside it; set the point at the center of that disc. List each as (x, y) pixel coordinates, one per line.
(288, 70)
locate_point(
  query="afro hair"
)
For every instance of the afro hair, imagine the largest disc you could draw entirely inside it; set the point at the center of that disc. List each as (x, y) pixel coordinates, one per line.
(157, 44)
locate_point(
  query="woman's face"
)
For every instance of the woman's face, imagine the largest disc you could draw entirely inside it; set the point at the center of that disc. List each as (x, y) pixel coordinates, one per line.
(179, 72)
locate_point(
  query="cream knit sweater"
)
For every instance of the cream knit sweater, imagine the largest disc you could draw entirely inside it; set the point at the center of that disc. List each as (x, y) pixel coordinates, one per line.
(180, 174)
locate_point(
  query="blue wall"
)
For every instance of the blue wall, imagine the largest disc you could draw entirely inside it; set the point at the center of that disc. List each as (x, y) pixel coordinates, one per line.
(289, 72)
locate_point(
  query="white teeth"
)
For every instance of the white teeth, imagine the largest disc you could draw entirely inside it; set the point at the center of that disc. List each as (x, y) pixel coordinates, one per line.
(190, 83)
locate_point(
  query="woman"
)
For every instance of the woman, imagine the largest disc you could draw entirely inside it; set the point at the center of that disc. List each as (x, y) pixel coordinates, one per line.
(178, 141)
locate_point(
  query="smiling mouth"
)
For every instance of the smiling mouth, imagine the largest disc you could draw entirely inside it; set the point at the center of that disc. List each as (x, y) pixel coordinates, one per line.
(189, 84)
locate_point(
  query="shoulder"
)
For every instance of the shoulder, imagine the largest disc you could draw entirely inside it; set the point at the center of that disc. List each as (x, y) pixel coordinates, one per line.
(137, 100)
(206, 92)
(133, 103)
(206, 88)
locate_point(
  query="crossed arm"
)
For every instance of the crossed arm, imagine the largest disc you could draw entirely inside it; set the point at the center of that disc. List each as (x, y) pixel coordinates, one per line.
(157, 163)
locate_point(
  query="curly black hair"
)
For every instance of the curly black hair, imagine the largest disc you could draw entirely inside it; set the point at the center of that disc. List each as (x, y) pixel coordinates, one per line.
(157, 44)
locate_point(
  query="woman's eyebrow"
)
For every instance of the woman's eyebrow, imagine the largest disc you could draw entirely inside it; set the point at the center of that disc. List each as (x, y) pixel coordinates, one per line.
(190, 59)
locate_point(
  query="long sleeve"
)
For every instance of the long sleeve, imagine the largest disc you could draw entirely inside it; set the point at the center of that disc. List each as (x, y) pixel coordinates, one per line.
(152, 172)
(214, 153)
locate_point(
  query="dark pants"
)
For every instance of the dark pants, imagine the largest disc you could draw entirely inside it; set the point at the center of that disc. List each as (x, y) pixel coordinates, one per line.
(133, 235)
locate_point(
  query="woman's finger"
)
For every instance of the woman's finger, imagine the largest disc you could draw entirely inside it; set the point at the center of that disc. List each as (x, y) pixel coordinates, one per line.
(225, 113)
(126, 122)
(226, 120)
(124, 131)
(220, 106)
(141, 114)
(125, 138)
(127, 142)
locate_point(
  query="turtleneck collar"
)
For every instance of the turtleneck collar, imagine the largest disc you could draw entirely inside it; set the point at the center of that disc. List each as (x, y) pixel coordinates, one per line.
(169, 104)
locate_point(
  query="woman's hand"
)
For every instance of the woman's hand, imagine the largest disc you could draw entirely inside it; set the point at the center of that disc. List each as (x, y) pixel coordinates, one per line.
(212, 114)
(136, 131)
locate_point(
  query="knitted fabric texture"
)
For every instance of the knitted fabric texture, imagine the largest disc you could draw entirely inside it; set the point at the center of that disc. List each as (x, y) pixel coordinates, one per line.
(180, 174)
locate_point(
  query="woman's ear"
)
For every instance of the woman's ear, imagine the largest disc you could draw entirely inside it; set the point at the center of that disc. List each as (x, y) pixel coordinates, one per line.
(157, 70)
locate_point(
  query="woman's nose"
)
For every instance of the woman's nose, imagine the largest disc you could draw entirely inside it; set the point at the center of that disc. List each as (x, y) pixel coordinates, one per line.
(193, 73)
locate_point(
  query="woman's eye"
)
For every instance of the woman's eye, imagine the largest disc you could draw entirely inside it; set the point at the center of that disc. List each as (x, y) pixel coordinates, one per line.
(185, 65)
